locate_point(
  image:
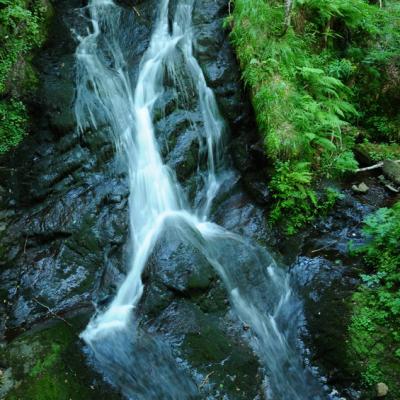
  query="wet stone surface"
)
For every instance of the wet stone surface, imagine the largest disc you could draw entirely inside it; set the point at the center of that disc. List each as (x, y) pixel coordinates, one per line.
(64, 200)
(64, 230)
(326, 275)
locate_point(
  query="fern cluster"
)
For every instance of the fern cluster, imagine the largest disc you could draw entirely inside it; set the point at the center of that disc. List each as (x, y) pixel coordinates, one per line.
(293, 194)
(302, 83)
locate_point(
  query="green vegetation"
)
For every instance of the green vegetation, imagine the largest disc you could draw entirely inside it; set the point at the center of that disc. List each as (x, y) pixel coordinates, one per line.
(22, 29)
(380, 151)
(317, 72)
(324, 78)
(41, 362)
(47, 363)
(374, 342)
(292, 190)
(49, 360)
(13, 122)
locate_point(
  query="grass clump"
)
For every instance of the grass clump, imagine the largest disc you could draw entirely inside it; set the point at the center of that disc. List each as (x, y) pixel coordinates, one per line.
(300, 108)
(374, 333)
(380, 151)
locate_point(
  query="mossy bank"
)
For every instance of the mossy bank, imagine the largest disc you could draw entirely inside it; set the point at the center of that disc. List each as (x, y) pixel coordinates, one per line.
(323, 77)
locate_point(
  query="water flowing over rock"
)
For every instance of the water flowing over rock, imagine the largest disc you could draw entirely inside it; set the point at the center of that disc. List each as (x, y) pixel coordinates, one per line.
(158, 207)
(65, 202)
(142, 192)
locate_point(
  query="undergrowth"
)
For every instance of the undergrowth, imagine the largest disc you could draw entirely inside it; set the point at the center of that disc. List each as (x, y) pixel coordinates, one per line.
(22, 29)
(374, 344)
(13, 122)
(307, 85)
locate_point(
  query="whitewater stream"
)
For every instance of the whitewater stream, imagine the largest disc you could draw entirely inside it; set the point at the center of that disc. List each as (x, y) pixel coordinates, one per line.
(262, 300)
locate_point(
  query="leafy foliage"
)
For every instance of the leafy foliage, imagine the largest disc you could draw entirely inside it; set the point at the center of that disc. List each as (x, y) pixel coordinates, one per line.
(310, 84)
(22, 28)
(296, 200)
(294, 196)
(375, 327)
(375, 51)
(302, 105)
(13, 122)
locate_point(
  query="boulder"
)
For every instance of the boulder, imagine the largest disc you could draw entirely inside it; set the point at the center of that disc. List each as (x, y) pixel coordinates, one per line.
(382, 389)
(391, 169)
(361, 188)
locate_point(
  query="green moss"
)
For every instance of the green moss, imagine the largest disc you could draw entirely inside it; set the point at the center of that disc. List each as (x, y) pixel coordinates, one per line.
(47, 364)
(48, 387)
(49, 360)
(38, 361)
(223, 360)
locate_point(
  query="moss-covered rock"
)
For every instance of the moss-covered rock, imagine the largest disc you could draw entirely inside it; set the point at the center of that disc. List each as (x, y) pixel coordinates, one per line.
(231, 371)
(212, 345)
(47, 364)
(392, 170)
(369, 153)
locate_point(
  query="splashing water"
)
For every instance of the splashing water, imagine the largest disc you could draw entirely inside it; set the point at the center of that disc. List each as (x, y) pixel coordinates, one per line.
(259, 291)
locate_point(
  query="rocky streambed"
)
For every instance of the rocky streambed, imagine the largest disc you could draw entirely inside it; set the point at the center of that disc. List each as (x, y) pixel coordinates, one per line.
(64, 230)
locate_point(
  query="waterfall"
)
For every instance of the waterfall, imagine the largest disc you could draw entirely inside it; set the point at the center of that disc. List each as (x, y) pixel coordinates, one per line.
(157, 202)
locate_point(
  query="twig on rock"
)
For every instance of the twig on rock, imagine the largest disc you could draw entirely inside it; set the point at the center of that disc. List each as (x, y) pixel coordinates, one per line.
(391, 188)
(51, 311)
(205, 380)
(136, 11)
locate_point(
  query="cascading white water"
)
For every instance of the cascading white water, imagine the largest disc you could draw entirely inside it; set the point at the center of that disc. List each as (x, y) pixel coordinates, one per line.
(106, 95)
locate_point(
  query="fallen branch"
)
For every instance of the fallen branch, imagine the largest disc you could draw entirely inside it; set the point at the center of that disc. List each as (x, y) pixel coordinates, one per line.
(26, 241)
(375, 166)
(205, 380)
(51, 312)
(391, 188)
(136, 11)
(320, 249)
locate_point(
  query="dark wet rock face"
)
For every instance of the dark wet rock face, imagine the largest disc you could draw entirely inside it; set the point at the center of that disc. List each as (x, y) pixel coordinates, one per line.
(187, 304)
(327, 274)
(64, 221)
(69, 201)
